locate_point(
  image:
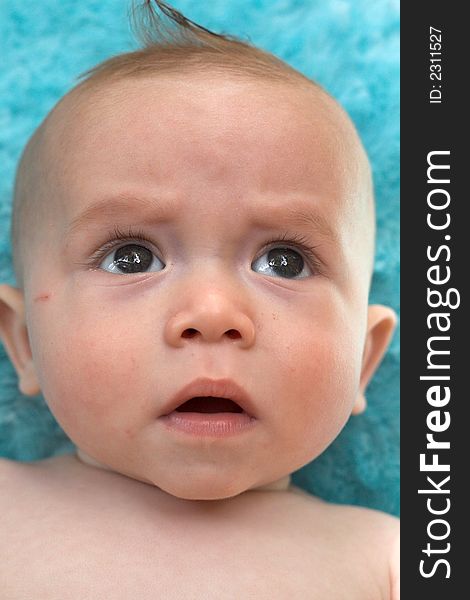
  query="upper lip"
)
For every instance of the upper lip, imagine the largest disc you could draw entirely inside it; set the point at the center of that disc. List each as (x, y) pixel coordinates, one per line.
(219, 388)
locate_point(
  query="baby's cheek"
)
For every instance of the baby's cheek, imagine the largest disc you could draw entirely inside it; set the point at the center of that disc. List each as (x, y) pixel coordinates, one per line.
(82, 360)
(323, 375)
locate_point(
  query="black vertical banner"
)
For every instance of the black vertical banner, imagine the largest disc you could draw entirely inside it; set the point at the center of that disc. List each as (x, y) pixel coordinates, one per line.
(435, 267)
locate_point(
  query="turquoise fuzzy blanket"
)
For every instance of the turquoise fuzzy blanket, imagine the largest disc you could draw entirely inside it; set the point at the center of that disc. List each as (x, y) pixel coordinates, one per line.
(348, 46)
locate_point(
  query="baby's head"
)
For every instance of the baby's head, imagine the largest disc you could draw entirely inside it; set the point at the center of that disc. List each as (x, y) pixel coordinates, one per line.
(193, 233)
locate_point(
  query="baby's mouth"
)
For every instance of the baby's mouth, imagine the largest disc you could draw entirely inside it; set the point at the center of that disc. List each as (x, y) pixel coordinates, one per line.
(209, 404)
(211, 396)
(214, 408)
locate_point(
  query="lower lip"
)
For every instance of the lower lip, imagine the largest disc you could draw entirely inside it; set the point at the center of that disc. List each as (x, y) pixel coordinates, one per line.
(221, 424)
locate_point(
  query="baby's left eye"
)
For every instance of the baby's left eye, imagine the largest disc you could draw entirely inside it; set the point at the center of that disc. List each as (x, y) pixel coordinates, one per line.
(282, 262)
(131, 258)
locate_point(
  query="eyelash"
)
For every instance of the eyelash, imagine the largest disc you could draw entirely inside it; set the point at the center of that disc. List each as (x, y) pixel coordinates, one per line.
(119, 238)
(299, 242)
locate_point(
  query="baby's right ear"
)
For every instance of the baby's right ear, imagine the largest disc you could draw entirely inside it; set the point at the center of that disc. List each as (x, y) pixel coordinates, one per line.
(14, 335)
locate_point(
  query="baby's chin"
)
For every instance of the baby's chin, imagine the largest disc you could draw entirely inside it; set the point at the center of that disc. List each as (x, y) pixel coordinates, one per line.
(195, 492)
(199, 491)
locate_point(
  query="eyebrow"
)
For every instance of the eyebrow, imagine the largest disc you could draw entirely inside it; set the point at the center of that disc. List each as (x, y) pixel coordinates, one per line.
(314, 220)
(297, 215)
(148, 210)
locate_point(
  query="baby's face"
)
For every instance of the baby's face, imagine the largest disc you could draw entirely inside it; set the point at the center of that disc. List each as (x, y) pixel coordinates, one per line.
(200, 232)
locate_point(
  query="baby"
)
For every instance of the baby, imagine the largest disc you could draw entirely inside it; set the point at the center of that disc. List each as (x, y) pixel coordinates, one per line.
(193, 236)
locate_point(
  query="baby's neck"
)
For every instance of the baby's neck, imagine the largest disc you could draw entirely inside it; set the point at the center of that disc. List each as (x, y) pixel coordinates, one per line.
(280, 485)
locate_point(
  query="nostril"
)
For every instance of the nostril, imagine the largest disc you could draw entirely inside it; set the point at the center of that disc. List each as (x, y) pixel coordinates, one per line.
(233, 334)
(189, 333)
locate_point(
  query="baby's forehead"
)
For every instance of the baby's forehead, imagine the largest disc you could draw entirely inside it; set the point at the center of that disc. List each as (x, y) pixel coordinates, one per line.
(200, 136)
(209, 115)
(275, 135)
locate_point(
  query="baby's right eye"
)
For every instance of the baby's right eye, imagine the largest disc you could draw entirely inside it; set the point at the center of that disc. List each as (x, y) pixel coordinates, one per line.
(131, 258)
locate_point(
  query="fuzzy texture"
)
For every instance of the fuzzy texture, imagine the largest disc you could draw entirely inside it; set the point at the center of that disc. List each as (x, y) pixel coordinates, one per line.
(351, 48)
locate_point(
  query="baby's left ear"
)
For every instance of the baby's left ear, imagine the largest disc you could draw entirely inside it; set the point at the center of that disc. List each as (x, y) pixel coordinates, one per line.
(381, 321)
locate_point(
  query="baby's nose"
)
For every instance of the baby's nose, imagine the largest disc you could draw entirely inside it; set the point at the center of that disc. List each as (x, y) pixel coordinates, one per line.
(211, 319)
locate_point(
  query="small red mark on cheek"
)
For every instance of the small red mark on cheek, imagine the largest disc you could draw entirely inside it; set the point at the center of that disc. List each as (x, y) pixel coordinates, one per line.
(42, 297)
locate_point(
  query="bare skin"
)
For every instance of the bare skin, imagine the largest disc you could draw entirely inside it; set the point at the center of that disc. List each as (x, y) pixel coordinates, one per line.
(75, 531)
(208, 177)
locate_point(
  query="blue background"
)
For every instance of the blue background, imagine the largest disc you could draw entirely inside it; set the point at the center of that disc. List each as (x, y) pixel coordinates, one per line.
(350, 47)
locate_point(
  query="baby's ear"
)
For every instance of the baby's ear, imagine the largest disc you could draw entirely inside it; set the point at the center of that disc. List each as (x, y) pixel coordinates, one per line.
(381, 322)
(14, 335)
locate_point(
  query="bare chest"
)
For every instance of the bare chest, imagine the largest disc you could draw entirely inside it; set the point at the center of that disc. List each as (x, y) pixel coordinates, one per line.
(62, 559)
(118, 544)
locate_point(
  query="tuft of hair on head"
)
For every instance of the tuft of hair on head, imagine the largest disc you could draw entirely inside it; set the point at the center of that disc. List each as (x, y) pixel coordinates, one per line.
(172, 43)
(149, 27)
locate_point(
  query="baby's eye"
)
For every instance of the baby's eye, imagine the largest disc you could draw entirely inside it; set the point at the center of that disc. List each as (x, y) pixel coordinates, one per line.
(131, 258)
(282, 262)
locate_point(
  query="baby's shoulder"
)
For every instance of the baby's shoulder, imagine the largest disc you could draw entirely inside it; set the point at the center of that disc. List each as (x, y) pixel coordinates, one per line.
(16, 493)
(375, 530)
(369, 539)
(14, 497)
(25, 489)
(11, 476)
(7, 467)
(358, 520)
(367, 524)
(376, 535)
